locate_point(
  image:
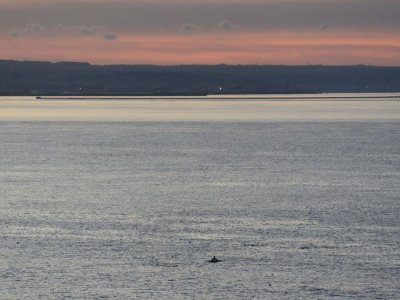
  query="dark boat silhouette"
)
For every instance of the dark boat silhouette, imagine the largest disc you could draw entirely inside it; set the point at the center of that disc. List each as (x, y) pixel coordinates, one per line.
(214, 260)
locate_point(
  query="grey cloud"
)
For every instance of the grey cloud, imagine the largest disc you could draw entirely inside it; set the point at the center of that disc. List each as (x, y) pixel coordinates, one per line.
(227, 25)
(83, 30)
(109, 36)
(80, 30)
(324, 27)
(37, 30)
(152, 15)
(31, 29)
(189, 28)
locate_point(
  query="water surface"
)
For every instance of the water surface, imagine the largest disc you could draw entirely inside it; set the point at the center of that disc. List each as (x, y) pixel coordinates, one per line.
(213, 108)
(296, 206)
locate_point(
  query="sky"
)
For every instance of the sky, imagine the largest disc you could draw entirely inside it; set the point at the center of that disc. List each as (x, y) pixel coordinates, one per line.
(295, 32)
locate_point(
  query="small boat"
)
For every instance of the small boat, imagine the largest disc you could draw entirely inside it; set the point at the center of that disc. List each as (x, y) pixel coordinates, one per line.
(214, 260)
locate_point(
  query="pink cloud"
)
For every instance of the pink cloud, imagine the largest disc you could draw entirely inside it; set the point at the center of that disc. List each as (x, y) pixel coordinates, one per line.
(317, 47)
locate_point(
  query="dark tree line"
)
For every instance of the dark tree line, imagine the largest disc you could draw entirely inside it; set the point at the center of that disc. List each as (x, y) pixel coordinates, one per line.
(44, 78)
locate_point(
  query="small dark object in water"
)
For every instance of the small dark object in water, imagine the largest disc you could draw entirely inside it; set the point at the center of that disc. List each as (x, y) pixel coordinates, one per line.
(305, 247)
(214, 260)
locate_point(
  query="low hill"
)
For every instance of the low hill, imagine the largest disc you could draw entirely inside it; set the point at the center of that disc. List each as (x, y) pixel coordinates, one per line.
(69, 78)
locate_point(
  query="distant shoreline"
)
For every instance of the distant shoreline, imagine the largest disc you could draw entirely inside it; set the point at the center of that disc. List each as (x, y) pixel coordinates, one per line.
(267, 97)
(78, 80)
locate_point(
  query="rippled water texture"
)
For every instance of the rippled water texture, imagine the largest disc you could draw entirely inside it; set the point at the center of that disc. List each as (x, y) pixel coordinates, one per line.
(294, 209)
(261, 108)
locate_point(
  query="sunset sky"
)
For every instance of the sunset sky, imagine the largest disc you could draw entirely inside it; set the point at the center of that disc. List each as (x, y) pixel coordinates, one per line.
(332, 32)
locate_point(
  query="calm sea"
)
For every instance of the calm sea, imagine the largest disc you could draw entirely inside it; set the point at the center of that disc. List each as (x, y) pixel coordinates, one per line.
(298, 196)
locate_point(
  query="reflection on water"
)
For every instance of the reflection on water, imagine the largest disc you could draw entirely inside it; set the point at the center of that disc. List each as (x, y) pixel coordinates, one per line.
(122, 210)
(224, 108)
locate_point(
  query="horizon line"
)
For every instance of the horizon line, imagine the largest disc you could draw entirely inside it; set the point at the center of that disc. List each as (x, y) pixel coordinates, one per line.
(209, 65)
